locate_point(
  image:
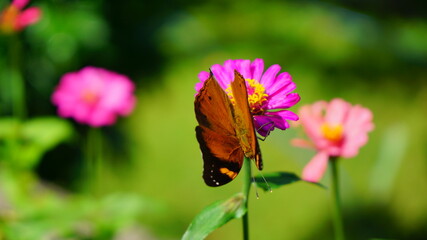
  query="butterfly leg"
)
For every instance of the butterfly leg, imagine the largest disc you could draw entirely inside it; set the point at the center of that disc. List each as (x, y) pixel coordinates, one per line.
(268, 131)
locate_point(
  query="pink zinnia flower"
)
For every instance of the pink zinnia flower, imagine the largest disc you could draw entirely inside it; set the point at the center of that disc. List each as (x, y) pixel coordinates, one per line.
(14, 18)
(269, 93)
(94, 96)
(336, 129)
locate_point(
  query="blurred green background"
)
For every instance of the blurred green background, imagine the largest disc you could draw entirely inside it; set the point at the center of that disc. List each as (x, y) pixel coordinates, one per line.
(372, 53)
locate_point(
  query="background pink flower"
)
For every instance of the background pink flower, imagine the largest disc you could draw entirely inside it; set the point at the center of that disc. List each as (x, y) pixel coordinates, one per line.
(336, 129)
(269, 93)
(14, 18)
(94, 96)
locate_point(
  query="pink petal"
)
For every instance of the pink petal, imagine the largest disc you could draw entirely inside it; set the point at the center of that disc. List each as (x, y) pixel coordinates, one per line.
(116, 91)
(357, 126)
(269, 76)
(337, 111)
(282, 85)
(311, 119)
(113, 96)
(101, 117)
(203, 76)
(302, 143)
(264, 124)
(198, 86)
(20, 3)
(285, 114)
(128, 106)
(81, 112)
(283, 101)
(360, 117)
(257, 67)
(28, 17)
(318, 109)
(316, 168)
(223, 76)
(243, 67)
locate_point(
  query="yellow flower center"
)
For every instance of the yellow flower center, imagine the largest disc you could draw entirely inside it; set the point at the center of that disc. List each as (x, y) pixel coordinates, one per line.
(256, 96)
(333, 133)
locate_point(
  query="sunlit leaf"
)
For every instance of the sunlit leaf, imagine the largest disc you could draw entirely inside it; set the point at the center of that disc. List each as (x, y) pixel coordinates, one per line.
(41, 135)
(47, 132)
(26, 142)
(214, 216)
(278, 179)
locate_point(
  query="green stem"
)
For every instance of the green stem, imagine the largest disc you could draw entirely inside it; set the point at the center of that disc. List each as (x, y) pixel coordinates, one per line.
(94, 157)
(246, 189)
(17, 82)
(337, 217)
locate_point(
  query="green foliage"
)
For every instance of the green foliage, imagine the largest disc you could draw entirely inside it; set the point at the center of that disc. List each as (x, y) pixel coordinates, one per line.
(214, 216)
(50, 216)
(270, 181)
(359, 52)
(22, 144)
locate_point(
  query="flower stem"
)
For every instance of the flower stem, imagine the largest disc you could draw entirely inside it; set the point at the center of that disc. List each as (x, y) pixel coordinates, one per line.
(94, 158)
(246, 190)
(17, 83)
(337, 217)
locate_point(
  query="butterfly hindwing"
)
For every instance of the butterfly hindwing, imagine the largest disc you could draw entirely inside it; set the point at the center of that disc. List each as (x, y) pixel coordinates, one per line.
(222, 156)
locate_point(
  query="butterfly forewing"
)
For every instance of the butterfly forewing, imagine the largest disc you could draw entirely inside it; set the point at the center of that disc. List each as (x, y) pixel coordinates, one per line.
(243, 119)
(213, 108)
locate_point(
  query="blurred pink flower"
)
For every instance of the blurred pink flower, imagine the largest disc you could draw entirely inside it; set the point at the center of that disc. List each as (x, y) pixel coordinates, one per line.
(336, 129)
(94, 96)
(14, 18)
(269, 94)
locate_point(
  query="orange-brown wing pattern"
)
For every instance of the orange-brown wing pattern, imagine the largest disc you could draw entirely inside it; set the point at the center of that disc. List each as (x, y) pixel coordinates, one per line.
(222, 154)
(213, 108)
(243, 119)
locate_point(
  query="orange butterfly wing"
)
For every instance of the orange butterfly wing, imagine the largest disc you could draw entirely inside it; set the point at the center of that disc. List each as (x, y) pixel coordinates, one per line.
(225, 133)
(243, 119)
(222, 155)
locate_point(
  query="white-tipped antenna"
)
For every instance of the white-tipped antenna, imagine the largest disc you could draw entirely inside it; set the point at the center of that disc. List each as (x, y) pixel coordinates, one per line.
(268, 185)
(254, 182)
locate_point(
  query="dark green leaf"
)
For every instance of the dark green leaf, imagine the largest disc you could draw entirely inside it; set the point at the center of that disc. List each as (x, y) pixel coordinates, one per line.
(214, 216)
(278, 179)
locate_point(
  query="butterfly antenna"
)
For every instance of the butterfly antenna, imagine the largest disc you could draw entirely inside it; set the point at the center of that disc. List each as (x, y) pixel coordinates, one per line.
(268, 185)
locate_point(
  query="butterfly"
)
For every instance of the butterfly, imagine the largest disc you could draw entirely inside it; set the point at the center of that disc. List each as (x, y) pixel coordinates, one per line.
(226, 132)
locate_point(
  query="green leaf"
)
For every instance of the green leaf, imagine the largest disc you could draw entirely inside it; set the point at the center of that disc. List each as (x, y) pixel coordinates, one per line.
(47, 132)
(26, 142)
(214, 216)
(278, 179)
(8, 127)
(41, 135)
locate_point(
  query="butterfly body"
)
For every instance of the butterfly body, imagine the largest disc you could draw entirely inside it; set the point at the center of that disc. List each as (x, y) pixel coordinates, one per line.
(225, 132)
